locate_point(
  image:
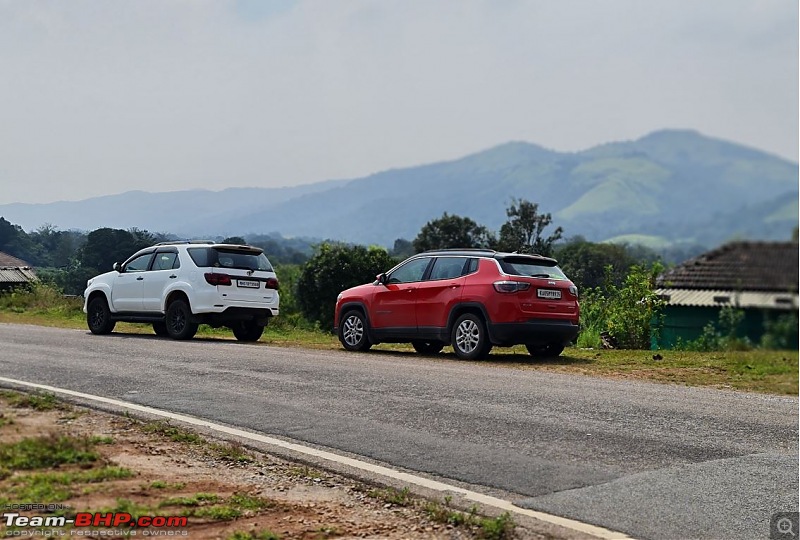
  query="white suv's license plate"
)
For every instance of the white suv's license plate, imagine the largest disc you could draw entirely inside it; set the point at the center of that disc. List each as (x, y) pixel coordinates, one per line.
(250, 284)
(549, 293)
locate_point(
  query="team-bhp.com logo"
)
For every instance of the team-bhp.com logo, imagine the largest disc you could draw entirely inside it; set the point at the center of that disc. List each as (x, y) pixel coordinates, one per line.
(95, 519)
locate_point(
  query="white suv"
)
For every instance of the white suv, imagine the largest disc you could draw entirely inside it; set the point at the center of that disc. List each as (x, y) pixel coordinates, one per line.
(176, 286)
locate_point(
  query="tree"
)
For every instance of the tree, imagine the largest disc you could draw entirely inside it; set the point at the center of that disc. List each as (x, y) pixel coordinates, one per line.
(106, 246)
(334, 268)
(585, 262)
(14, 240)
(523, 232)
(234, 240)
(452, 232)
(402, 249)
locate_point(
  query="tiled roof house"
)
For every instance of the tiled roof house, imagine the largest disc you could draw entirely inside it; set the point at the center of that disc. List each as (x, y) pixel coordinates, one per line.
(14, 271)
(760, 278)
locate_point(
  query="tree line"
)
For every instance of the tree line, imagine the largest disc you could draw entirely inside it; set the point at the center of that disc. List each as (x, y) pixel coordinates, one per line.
(313, 274)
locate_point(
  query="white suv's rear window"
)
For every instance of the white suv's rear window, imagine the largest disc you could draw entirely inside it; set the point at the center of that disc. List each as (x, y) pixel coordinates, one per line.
(206, 257)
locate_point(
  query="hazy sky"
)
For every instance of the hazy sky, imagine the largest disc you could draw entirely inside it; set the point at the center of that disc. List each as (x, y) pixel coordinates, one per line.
(100, 97)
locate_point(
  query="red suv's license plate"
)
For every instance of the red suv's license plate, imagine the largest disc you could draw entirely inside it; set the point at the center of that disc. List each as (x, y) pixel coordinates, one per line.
(549, 293)
(248, 283)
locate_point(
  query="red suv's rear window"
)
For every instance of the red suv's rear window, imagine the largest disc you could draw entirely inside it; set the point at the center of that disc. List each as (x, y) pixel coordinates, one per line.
(531, 268)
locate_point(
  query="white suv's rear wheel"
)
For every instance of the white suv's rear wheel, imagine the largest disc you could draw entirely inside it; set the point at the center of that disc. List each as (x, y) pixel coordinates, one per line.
(179, 321)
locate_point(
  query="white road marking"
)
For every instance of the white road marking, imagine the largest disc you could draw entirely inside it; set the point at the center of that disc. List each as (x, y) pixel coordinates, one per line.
(473, 496)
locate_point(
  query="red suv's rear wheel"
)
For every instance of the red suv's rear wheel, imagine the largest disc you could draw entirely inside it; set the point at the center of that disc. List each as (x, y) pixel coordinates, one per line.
(469, 337)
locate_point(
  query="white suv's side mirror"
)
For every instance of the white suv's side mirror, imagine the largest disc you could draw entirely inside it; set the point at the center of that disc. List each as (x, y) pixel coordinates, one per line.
(117, 267)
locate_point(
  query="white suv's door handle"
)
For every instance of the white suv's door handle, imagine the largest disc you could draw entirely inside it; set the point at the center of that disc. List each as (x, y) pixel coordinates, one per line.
(140, 278)
(173, 276)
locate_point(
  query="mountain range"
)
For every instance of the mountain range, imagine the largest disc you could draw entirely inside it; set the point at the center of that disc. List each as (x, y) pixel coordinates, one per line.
(669, 187)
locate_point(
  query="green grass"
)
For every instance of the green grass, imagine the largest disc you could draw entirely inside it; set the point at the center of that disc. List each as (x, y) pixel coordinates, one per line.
(160, 484)
(57, 486)
(303, 471)
(174, 433)
(774, 372)
(232, 451)
(197, 499)
(397, 497)
(46, 451)
(37, 401)
(210, 506)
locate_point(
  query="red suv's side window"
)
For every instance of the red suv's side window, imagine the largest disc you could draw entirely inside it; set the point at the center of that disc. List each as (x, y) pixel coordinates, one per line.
(448, 268)
(410, 272)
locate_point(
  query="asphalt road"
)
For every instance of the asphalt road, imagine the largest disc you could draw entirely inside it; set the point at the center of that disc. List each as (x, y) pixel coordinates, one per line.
(654, 461)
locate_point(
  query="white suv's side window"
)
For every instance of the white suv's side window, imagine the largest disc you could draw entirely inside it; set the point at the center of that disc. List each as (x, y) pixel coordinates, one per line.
(139, 264)
(166, 261)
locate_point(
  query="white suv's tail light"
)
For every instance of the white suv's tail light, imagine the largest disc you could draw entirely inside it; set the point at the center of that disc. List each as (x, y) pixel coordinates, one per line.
(511, 286)
(272, 283)
(217, 279)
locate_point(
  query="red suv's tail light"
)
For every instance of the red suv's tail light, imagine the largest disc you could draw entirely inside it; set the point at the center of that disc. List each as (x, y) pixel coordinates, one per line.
(511, 286)
(217, 279)
(573, 290)
(272, 283)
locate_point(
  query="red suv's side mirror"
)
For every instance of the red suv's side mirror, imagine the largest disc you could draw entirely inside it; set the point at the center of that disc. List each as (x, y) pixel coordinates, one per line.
(381, 278)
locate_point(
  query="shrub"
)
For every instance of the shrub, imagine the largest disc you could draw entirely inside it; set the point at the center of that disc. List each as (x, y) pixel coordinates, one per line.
(334, 268)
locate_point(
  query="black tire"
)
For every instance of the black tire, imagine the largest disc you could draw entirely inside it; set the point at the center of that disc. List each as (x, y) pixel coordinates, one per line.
(179, 320)
(551, 350)
(427, 347)
(160, 329)
(469, 337)
(247, 330)
(98, 316)
(353, 331)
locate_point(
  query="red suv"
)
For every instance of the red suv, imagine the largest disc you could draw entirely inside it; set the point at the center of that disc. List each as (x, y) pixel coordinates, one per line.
(470, 299)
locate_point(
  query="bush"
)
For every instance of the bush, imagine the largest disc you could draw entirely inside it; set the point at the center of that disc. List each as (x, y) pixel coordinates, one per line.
(334, 268)
(780, 332)
(626, 312)
(722, 336)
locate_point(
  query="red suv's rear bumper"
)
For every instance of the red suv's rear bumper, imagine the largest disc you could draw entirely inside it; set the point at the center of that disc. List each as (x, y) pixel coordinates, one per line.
(535, 331)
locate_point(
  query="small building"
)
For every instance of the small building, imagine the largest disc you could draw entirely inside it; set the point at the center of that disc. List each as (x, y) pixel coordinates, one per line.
(759, 278)
(14, 272)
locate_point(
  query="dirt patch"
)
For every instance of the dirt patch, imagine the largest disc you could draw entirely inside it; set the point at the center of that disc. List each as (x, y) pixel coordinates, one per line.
(225, 491)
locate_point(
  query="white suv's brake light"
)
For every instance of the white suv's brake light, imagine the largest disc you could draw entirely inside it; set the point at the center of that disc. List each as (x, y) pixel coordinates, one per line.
(511, 286)
(272, 283)
(217, 279)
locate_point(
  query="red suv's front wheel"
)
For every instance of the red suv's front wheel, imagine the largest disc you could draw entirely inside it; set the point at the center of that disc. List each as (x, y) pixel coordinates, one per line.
(353, 331)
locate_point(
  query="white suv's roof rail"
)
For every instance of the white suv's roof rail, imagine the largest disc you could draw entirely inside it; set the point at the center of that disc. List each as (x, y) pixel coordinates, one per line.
(174, 242)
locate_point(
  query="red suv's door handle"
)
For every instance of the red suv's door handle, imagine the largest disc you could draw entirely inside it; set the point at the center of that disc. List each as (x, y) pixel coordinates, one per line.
(456, 286)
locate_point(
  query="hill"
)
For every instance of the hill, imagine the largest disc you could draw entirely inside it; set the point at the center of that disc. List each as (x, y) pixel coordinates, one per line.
(672, 186)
